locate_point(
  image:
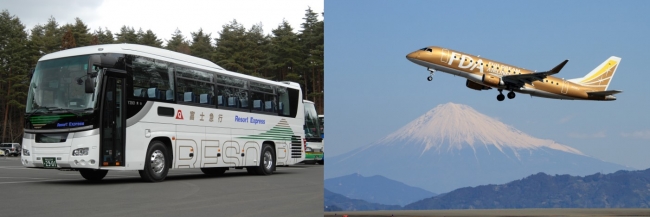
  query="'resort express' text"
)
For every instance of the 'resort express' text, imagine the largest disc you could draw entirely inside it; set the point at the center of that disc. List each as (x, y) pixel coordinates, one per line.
(249, 120)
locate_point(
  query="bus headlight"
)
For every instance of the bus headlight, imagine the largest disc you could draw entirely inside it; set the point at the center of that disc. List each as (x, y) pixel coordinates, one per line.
(25, 152)
(80, 152)
(309, 149)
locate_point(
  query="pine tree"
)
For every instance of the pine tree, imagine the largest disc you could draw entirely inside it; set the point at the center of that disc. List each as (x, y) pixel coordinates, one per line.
(104, 37)
(51, 38)
(149, 39)
(81, 33)
(14, 60)
(312, 43)
(230, 46)
(201, 46)
(68, 40)
(285, 52)
(176, 40)
(256, 50)
(127, 35)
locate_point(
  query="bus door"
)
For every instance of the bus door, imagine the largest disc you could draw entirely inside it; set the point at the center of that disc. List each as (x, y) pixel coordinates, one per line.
(112, 122)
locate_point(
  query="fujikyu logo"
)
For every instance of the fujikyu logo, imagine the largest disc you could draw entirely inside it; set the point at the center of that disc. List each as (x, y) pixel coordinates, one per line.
(467, 62)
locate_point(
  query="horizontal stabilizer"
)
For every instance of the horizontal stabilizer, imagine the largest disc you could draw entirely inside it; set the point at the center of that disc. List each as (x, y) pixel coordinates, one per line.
(604, 93)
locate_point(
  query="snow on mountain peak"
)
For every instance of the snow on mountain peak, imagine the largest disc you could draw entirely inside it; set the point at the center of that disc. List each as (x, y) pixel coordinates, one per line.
(458, 125)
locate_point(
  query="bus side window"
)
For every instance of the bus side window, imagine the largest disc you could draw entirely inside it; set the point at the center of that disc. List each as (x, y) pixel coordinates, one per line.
(283, 97)
(152, 79)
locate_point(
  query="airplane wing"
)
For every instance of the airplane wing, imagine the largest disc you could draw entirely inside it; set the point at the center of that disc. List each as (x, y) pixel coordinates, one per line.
(604, 93)
(520, 80)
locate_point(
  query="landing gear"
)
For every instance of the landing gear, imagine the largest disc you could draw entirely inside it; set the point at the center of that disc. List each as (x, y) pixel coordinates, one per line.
(511, 95)
(431, 71)
(501, 97)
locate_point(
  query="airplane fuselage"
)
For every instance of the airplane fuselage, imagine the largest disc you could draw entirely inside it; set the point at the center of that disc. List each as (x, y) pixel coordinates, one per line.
(487, 73)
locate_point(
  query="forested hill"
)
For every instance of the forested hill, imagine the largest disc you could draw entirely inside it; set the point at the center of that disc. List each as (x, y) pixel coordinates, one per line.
(286, 54)
(623, 189)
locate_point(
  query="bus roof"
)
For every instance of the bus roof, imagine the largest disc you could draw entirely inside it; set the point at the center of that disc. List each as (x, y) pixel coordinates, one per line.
(158, 53)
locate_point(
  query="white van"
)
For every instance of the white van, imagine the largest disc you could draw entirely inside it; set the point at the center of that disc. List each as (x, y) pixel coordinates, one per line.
(10, 149)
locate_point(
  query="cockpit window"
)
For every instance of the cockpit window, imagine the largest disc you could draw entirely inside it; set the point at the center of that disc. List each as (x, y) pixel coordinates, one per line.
(429, 49)
(426, 49)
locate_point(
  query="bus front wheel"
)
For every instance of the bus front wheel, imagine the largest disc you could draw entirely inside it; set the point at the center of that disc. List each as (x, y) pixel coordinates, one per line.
(93, 175)
(155, 165)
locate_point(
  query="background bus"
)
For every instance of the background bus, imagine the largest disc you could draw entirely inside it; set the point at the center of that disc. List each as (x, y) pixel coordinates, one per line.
(321, 121)
(314, 153)
(134, 107)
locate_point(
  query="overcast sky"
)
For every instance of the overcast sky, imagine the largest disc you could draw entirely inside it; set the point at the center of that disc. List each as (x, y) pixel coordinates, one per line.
(164, 16)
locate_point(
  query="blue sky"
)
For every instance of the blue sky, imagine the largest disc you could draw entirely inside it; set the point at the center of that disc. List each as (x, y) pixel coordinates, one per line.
(372, 90)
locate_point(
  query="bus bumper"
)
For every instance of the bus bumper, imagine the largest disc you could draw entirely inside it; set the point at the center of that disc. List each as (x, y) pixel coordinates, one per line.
(59, 155)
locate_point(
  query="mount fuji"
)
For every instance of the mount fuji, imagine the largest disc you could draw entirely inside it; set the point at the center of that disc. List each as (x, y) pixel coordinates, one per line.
(454, 146)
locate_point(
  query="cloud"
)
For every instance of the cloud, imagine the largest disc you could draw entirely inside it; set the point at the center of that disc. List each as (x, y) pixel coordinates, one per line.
(566, 119)
(600, 134)
(641, 134)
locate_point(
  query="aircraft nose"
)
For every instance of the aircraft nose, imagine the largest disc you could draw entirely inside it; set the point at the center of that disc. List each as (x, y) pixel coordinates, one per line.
(413, 55)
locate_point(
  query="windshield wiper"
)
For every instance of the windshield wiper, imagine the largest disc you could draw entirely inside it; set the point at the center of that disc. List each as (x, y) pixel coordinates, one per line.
(49, 109)
(77, 112)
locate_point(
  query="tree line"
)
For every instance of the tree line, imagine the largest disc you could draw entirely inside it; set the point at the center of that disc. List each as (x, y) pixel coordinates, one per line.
(283, 55)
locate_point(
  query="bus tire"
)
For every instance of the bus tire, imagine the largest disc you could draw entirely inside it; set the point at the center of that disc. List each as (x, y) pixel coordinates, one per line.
(93, 175)
(267, 162)
(321, 162)
(155, 165)
(214, 171)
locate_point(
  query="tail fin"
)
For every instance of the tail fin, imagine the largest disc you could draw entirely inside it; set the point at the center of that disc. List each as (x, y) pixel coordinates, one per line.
(601, 76)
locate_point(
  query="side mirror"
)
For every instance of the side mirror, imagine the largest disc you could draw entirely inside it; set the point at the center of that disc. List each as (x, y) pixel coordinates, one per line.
(90, 85)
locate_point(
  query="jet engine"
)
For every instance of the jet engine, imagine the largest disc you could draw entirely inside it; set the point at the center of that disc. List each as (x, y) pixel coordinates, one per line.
(476, 86)
(492, 80)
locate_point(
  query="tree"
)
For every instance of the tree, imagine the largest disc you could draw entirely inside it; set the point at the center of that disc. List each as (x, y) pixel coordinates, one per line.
(104, 37)
(312, 43)
(68, 40)
(14, 59)
(127, 35)
(149, 38)
(285, 52)
(201, 46)
(51, 37)
(176, 40)
(256, 49)
(230, 46)
(81, 33)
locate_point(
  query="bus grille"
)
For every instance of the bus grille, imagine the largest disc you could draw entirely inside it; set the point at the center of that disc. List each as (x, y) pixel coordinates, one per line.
(296, 147)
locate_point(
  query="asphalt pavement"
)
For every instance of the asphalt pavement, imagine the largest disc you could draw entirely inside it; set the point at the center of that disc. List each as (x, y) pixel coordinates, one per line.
(291, 191)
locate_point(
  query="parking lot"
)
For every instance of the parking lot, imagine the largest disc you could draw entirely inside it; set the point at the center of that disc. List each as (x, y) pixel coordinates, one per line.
(291, 191)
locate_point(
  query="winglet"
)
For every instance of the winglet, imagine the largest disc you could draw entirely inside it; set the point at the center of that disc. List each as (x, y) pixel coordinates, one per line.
(559, 67)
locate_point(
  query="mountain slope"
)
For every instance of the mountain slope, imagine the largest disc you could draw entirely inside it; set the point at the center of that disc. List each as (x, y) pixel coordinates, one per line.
(623, 189)
(334, 202)
(454, 146)
(376, 189)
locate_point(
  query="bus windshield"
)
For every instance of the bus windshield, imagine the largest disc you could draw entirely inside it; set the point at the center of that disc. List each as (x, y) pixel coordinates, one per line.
(312, 128)
(59, 84)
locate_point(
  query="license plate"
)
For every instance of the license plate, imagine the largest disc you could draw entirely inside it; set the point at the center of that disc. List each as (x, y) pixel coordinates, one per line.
(49, 162)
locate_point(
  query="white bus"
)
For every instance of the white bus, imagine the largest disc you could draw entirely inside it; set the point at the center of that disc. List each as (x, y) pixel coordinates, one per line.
(314, 151)
(133, 107)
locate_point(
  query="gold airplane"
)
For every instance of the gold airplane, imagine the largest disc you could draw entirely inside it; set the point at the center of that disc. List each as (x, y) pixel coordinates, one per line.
(484, 74)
